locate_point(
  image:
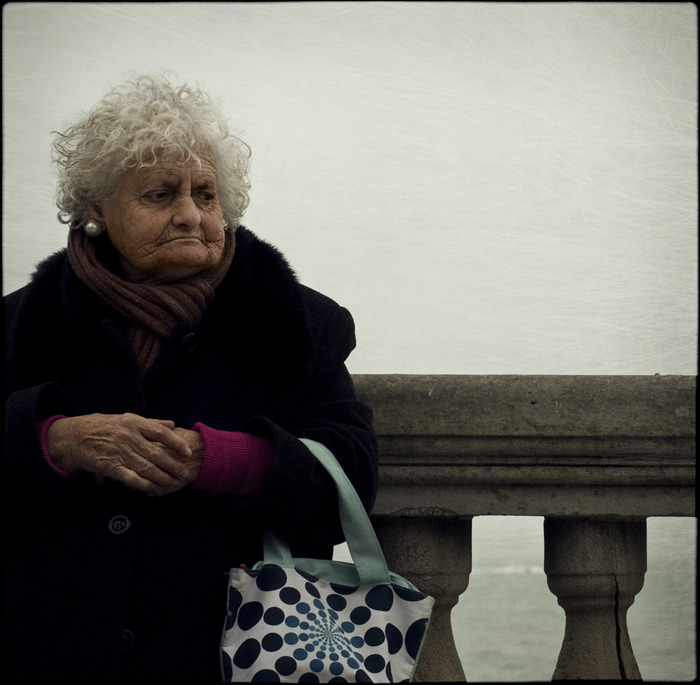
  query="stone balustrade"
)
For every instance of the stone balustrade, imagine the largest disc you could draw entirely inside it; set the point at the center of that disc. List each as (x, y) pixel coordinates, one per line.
(594, 455)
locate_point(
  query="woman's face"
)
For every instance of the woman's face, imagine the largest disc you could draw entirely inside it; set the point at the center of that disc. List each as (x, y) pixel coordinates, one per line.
(165, 221)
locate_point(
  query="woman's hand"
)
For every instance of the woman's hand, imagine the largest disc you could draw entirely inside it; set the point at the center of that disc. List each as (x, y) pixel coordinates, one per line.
(194, 462)
(144, 454)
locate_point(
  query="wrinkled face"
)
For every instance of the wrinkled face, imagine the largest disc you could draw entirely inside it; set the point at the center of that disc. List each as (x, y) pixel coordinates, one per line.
(165, 221)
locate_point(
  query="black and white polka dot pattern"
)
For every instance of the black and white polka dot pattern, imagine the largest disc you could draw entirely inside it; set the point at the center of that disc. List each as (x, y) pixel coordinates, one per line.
(285, 625)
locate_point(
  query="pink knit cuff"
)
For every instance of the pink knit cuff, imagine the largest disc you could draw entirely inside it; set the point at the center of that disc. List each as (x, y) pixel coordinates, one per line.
(43, 427)
(233, 462)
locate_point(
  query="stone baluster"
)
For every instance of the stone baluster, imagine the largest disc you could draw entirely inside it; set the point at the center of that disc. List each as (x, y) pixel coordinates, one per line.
(595, 568)
(433, 550)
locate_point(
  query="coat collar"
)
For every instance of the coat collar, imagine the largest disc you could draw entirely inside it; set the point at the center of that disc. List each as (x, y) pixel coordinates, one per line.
(258, 310)
(260, 305)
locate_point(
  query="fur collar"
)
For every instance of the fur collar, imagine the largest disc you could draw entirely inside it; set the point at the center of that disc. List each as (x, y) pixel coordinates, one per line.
(260, 305)
(259, 310)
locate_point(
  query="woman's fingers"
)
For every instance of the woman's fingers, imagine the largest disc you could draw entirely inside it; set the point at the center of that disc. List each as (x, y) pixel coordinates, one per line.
(153, 451)
(167, 424)
(148, 461)
(134, 481)
(167, 437)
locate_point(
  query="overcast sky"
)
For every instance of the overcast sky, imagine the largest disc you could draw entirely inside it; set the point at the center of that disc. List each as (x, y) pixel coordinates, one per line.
(487, 187)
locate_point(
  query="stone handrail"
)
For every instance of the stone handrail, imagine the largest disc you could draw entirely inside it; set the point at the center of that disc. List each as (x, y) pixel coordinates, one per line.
(594, 455)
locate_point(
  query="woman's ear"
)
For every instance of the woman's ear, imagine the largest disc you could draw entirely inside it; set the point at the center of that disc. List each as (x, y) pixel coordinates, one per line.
(94, 211)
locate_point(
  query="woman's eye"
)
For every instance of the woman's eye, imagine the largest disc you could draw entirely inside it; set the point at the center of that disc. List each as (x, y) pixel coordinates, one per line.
(158, 195)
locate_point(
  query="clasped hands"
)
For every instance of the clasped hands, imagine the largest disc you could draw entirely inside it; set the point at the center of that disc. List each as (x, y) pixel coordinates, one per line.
(150, 455)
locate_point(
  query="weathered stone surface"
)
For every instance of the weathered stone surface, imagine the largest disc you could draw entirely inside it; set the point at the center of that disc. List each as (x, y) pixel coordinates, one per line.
(593, 454)
(595, 568)
(484, 499)
(510, 405)
(605, 446)
(434, 553)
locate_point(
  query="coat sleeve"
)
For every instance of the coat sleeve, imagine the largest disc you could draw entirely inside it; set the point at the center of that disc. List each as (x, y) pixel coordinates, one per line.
(27, 475)
(299, 500)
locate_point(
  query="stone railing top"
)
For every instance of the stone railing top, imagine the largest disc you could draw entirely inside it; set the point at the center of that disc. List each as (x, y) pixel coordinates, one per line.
(604, 446)
(539, 406)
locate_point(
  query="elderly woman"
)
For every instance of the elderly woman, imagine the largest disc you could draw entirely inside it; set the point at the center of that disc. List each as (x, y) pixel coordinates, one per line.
(159, 374)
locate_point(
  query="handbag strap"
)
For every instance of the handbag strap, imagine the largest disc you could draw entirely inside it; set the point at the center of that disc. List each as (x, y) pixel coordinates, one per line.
(361, 539)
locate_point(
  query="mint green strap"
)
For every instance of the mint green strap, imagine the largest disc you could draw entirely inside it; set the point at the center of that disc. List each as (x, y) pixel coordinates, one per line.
(359, 534)
(276, 550)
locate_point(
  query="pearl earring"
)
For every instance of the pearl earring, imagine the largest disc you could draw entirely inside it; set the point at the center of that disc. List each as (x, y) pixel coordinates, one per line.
(93, 228)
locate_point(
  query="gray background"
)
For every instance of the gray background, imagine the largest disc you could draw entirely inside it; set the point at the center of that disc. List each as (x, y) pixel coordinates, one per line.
(490, 188)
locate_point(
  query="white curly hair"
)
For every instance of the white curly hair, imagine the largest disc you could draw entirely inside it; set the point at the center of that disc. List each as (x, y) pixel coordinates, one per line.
(141, 122)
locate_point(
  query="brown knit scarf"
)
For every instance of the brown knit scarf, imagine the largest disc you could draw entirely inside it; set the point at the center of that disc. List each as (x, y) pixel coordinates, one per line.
(154, 310)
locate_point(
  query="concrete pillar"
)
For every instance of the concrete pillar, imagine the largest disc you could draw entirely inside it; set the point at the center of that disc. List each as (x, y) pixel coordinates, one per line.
(434, 552)
(595, 568)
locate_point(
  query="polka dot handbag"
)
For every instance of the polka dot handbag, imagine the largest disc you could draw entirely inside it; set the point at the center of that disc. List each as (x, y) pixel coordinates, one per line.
(318, 621)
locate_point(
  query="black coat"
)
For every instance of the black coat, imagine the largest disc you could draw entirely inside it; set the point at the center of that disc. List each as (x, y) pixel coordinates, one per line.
(88, 599)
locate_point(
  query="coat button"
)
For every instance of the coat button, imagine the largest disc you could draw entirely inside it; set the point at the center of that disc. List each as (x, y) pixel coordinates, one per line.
(189, 342)
(127, 640)
(119, 524)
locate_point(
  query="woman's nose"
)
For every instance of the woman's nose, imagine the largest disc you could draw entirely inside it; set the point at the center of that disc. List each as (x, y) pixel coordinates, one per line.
(186, 213)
